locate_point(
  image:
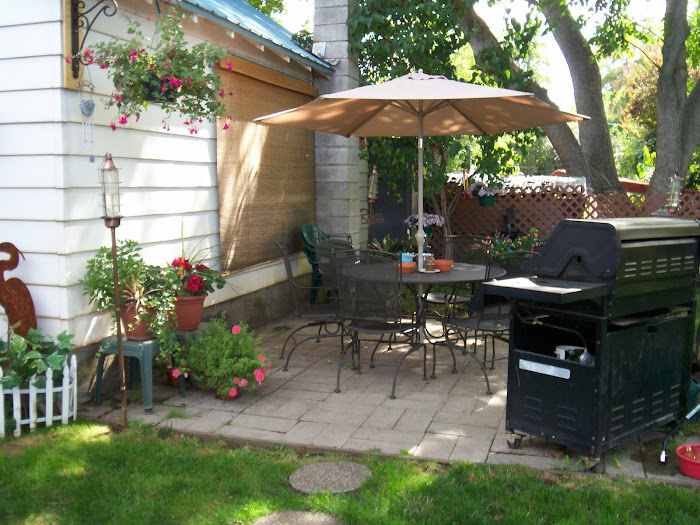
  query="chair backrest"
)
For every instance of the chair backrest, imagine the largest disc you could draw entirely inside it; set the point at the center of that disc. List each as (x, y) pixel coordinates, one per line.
(466, 248)
(293, 289)
(311, 235)
(370, 286)
(327, 253)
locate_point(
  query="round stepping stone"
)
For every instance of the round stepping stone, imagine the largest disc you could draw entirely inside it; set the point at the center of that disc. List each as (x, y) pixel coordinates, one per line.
(297, 517)
(329, 476)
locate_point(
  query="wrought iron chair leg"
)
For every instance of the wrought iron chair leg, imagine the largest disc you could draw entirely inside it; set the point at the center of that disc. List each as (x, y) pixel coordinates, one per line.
(299, 343)
(340, 363)
(381, 338)
(398, 366)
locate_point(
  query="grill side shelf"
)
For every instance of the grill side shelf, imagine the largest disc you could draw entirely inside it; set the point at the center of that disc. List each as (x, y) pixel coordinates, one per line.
(545, 290)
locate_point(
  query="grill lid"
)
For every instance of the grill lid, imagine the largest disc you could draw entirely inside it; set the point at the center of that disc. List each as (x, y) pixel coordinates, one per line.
(589, 250)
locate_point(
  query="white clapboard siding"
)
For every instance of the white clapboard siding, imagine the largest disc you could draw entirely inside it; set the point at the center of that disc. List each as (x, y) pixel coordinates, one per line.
(31, 171)
(30, 106)
(52, 204)
(39, 11)
(45, 72)
(30, 40)
(67, 391)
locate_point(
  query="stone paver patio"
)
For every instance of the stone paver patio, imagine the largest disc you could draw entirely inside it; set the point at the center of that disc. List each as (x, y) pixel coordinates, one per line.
(446, 419)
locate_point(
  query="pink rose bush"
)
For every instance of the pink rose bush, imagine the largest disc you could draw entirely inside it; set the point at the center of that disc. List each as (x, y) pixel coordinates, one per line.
(223, 358)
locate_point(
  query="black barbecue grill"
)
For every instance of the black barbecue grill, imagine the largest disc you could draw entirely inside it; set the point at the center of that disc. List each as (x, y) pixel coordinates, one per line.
(602, 333)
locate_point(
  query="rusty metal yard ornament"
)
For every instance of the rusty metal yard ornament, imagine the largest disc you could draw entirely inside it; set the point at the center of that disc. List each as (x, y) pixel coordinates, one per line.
(109, 180)
(14, 294)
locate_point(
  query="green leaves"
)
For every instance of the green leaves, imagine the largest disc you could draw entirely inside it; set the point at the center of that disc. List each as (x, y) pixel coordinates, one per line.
(33, 355)
(166, 70)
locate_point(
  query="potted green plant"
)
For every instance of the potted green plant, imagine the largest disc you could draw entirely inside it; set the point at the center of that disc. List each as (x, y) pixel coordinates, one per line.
(167, 70)
(226, 359)
(146, 300)
(190, 281)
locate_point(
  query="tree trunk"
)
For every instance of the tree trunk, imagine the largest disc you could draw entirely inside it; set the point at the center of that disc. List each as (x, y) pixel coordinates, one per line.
(676, 126)
(594, 135)
(562, 138)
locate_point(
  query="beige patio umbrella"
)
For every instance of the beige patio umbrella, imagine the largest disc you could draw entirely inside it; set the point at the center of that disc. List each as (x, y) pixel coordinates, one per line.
(419, 105)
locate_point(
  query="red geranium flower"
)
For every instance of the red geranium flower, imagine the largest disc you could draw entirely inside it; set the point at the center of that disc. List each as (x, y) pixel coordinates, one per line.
(194, 284)
(182, 263)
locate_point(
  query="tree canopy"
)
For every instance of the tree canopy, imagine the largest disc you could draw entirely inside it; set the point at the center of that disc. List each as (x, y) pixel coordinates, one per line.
(392, 37)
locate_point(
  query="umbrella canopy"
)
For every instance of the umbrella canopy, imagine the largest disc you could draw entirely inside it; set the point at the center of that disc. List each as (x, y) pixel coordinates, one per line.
(418, 105)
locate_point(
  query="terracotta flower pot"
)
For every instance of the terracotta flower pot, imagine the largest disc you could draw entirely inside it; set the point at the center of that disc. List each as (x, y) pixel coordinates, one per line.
(189, 311)
(228, 397)
(134, 331)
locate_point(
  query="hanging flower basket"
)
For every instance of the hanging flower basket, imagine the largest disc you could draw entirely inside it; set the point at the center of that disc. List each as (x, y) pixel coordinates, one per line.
(167, 70)
(487, 200)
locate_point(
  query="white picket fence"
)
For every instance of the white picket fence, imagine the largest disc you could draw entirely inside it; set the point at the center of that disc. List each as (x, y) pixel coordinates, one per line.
(68, 406)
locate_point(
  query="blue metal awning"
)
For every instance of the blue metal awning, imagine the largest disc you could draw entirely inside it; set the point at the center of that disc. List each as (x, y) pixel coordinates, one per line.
(241, 17)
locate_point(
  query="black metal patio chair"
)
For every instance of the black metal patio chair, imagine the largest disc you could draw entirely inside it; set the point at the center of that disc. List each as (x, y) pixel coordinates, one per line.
(328, 253)
(321, 315)
(371, 301)
(489, 317)
(465, 248)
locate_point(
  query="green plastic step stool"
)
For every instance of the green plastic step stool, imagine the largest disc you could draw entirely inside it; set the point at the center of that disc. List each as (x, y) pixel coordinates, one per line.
(144, 351)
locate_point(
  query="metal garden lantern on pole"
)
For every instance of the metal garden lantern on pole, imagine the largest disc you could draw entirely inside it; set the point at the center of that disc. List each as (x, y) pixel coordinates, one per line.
(371, 199)
(109, 180)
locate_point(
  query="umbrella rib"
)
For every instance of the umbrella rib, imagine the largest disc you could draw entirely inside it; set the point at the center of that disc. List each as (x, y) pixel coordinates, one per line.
(483, 132)
(364, 121)
(406, 106)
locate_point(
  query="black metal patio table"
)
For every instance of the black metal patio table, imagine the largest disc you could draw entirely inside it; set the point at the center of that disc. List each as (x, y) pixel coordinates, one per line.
(460, 273)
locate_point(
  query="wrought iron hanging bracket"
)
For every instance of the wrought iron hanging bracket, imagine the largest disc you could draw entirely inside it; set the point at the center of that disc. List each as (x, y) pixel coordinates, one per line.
(84, 19)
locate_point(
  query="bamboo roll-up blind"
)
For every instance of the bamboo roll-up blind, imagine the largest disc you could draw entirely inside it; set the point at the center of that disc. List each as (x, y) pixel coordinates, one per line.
(265, 175)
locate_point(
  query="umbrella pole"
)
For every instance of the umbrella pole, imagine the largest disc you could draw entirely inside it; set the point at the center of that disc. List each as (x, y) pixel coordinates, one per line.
(420, 234)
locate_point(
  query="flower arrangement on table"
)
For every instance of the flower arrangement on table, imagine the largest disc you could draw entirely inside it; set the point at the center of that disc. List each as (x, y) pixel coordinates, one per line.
(227, 360)
(498, 244)
(488, 185)
(165, 70)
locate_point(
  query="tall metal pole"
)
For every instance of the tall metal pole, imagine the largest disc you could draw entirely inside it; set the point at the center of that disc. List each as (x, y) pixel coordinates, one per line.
(420, 234)
(112, 224)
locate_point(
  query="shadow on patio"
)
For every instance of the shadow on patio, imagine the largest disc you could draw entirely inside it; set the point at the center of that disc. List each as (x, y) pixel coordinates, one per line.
(446, 419)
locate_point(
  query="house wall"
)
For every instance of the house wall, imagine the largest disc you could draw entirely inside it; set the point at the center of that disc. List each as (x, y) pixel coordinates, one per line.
(51, 203)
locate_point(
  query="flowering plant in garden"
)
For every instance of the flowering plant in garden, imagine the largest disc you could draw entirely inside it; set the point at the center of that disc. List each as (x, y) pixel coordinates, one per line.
(429, 219)
(225, 359)
(498, 244)
(166, 70)
(189, 279)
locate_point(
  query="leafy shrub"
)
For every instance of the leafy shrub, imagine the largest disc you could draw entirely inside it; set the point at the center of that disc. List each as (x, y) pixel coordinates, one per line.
(225, 359)
(23, 357)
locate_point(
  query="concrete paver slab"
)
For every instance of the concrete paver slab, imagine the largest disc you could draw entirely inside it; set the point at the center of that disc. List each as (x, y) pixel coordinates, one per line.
(447, 418)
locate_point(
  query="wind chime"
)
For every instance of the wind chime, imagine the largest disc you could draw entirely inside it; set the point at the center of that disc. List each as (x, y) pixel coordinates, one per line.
(87, 108)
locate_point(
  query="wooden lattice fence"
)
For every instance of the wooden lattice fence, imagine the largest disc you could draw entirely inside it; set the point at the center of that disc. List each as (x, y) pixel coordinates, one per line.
(544, 207)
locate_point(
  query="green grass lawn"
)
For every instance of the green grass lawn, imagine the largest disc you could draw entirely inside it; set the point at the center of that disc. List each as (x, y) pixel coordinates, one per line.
(87, 473)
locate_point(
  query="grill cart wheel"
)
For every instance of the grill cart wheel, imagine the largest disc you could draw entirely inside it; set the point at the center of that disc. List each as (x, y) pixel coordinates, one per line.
(514, 441)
